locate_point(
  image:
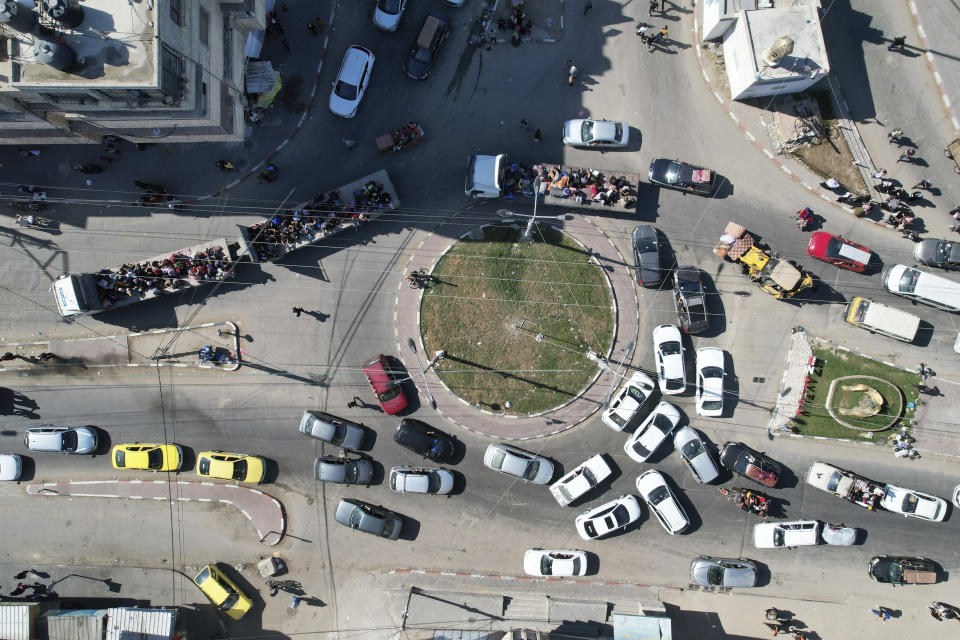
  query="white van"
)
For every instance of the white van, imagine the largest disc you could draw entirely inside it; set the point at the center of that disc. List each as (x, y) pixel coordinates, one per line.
(921, 286)
(879, 318)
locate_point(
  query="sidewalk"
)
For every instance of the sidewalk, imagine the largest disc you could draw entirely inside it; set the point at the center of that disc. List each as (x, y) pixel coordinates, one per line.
(626, 324)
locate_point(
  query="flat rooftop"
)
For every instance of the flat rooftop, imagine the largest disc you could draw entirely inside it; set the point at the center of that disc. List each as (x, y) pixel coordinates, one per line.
(115, 46)
(799, 23)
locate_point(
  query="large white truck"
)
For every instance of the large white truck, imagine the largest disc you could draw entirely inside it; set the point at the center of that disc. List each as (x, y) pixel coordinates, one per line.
(491, 176)
(80, 293)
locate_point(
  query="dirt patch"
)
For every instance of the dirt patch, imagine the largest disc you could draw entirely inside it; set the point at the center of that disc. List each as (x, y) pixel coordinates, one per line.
(516, 319)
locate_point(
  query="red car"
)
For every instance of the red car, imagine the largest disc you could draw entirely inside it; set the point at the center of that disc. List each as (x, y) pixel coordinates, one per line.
(839, 251)
(384, 383)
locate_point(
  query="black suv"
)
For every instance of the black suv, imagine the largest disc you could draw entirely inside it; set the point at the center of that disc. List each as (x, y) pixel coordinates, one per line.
(421, 438)
(425, 47)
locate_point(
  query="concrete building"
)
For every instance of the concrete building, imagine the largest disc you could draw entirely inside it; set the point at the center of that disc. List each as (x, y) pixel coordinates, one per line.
(142, 70)
(745, 48)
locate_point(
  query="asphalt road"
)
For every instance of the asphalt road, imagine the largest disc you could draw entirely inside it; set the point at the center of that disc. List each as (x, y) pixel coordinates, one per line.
(473, 102)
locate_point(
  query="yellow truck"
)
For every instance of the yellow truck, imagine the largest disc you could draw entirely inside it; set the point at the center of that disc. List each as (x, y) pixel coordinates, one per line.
(777, 276)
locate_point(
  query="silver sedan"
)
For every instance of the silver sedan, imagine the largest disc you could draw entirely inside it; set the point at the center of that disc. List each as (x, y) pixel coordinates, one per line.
(518, 463)
(723, 572)
(596, 133)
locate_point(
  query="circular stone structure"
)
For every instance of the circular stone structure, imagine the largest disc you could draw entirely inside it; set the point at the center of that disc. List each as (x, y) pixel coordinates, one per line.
(517, 318)
(877, 386)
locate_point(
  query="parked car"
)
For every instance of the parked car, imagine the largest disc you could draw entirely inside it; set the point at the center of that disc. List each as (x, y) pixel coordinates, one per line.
(694, 453)
(795, 533)
(674, 174)
(147, 457)
(387, 14)
(625, 406)
(752, 464)
(337, 431)
(596, 133)
(11, 466)
(423, 439)
(425, 48)
(369, 518)
(231, 466)
(61, 439)
(690, 300)
(554, 562)
(421, 480)
(723, 572)
(343, 470)
(646, 256)
(608, 517)
(913, 504)
(352, 81)
(710, 375)
(662, 501)
(937, 253)
(383, 381)
(651, 434)
(587, 475)
(668, 345)
(902, 570)
(839, 251)
(518, 463)
(222, 592)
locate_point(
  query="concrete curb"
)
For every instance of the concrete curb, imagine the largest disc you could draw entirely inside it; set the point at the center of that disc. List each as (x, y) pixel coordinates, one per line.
(932, 64)
(542, 579)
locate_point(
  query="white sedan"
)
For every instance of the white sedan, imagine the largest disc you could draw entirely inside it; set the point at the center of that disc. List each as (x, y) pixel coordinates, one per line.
(777, 535)
(662, 501)
(352, 81)
(710, 375)
(650, 435)
(913, 504)
(629, 400)
(554, 562)
(595, 133)
(387, 14)
(585, 477)
(695, 455)
(608, 517)
(668, 345)
(518, 463)
(11, 466)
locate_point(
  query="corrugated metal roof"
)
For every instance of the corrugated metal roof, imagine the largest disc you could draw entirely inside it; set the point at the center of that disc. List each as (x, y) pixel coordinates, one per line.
(16, 620)
(75, 625)
(140, 624)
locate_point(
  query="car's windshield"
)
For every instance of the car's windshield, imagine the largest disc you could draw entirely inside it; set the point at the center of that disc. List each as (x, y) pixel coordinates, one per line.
(422, 55)
(663, 423)
(346, 90)
(833, 247)
(230, 601)
(69, 440)
(532, 469)
(586, 131)
(896, 572)
(390, 393)
(692, 449)
(637, 394)
(565, 493)
(588, 476)
(908, 281)
(339, 433)
(620, 515)
(546, 564)
(619, 420)
(688, 285)
(943, 251)
(670, 348)
(673, 172)
(712, 372)
(910, 502)
(497, 460)
(658, 495)
(712, 405)
(239, 469)
(389, 6)
(155, 459)
(646, 245)
(674, 384)
(350, 472)
(715, 575)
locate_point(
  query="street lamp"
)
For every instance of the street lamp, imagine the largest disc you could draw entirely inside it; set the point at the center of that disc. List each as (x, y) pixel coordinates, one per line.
(437, 357)
(528, 232)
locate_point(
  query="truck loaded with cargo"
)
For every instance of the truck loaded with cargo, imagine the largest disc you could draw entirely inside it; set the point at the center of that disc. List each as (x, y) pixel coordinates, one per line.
(846, 484)
(340, 209)
(777, 276)
(495, 177)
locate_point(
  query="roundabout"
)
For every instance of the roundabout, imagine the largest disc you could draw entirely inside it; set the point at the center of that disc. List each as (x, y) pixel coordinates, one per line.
(516, 364)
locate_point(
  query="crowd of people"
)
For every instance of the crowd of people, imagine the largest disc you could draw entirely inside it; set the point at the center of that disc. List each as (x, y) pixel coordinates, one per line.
(406, 136)
(139, 279)
(583, 185)
(285, 231)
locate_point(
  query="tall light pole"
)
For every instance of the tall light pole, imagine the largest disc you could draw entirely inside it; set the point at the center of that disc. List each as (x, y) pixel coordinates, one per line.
(528, 232)
(439, 355)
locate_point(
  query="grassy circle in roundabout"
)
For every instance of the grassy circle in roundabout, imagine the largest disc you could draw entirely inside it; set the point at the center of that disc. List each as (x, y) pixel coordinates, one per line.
(517, 318)
(865, 403)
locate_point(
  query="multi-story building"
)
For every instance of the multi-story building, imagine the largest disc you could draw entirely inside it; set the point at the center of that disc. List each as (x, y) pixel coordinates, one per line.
(142, 70)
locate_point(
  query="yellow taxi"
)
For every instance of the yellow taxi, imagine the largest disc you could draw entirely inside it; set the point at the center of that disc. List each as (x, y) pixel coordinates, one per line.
(222, 592)
(231, 466)
(148, 457)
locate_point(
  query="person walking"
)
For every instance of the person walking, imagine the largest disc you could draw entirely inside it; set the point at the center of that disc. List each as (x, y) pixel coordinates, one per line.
(536, 135)
(297, 311)
(353, 404)
(881, 612)
(312, 28)
(880, 174)
(898, 43)
(587, 7)
(923, 184)
(653, 7)
(642, 32)
(894, 135)
(904, 157)
(572, 73)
